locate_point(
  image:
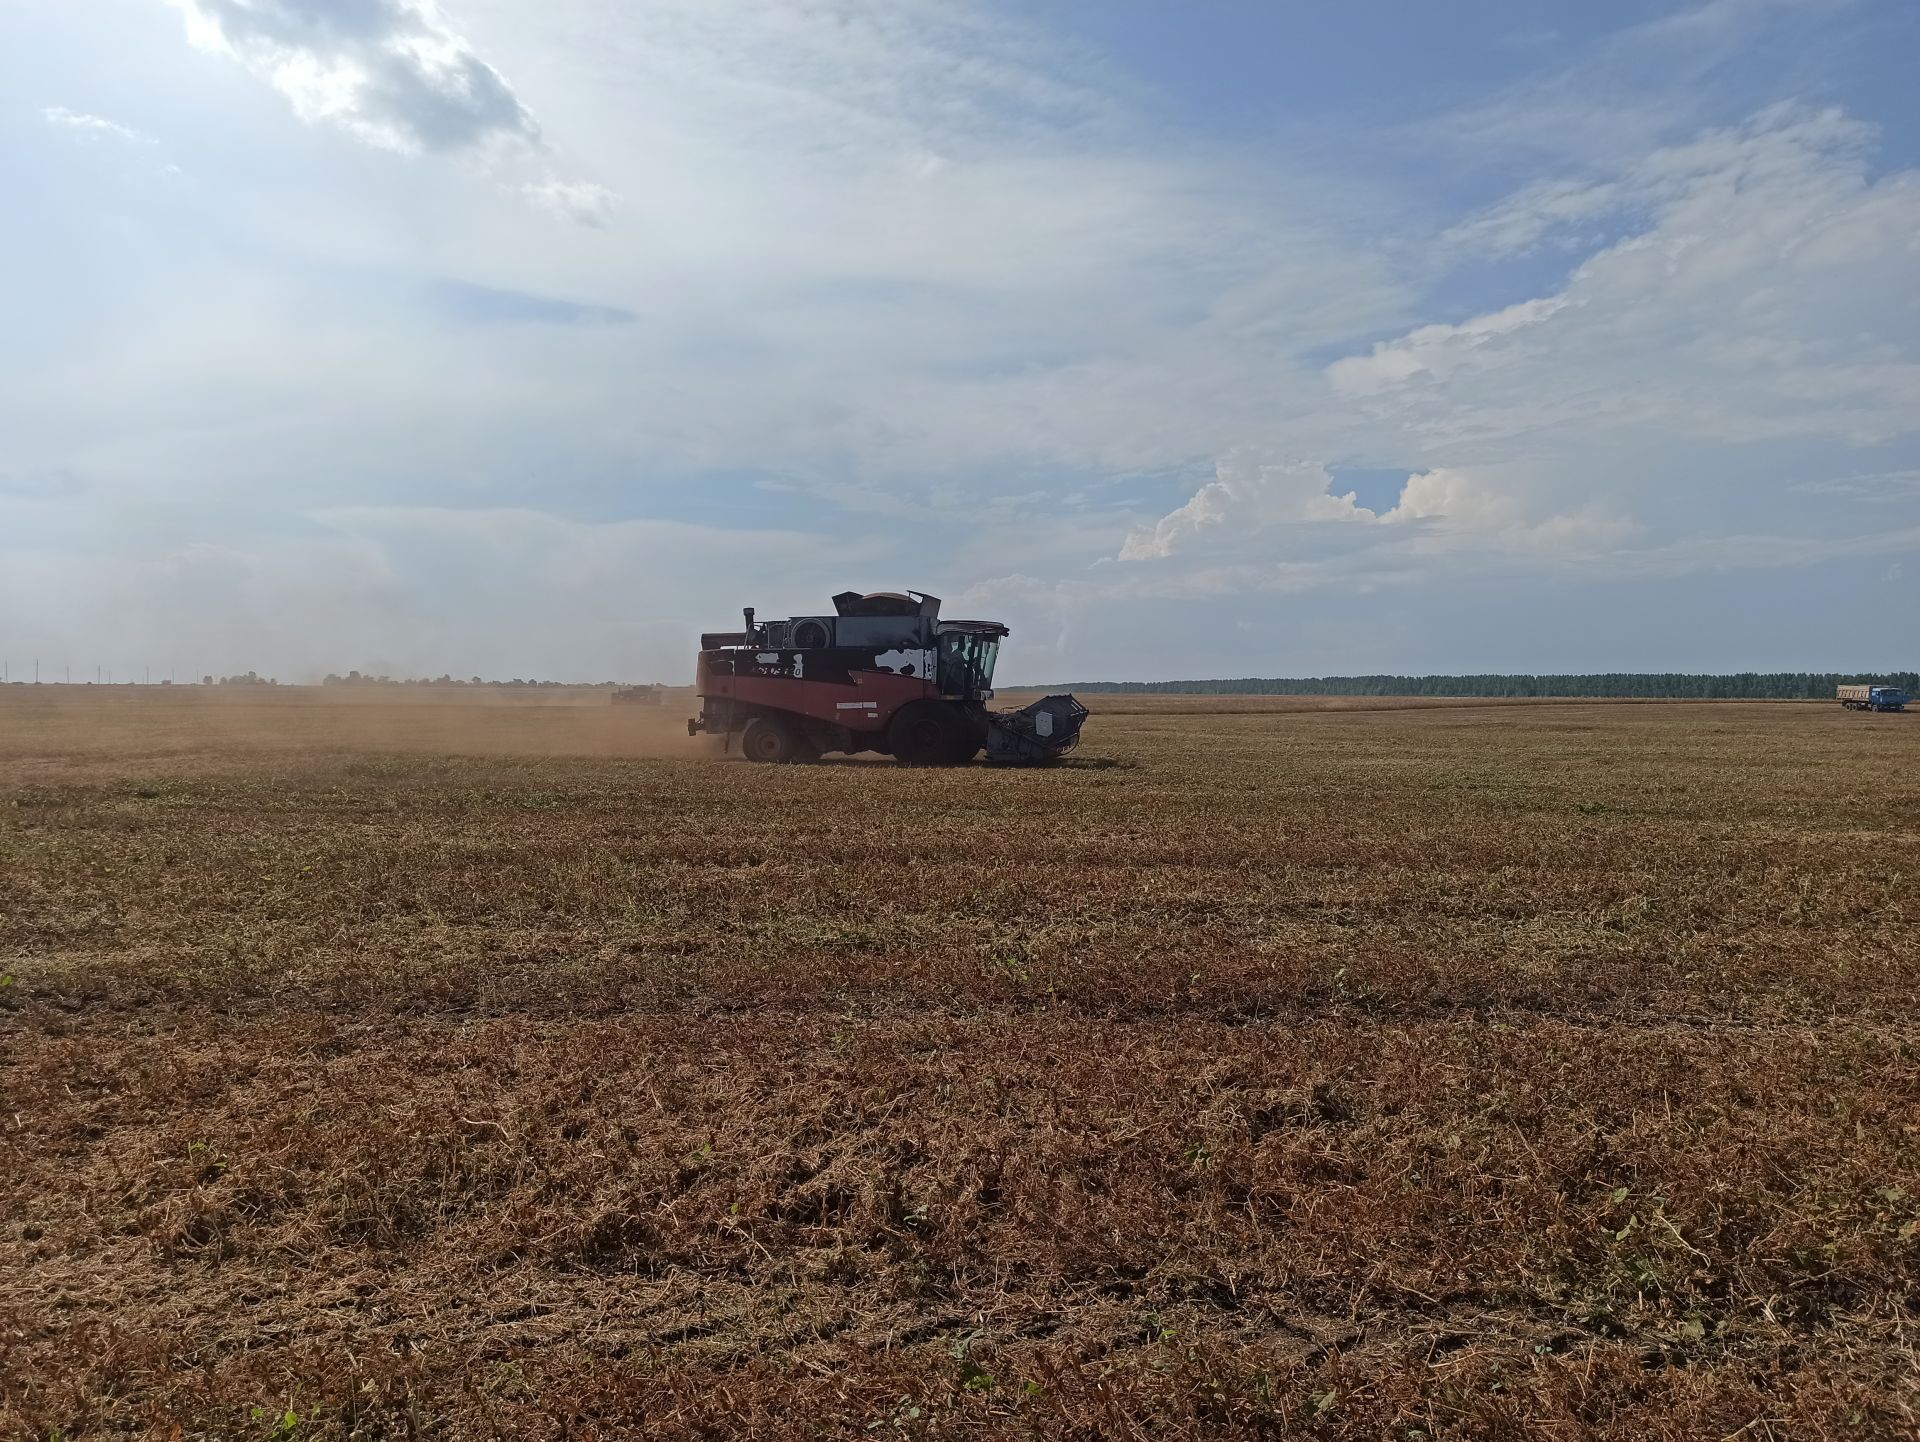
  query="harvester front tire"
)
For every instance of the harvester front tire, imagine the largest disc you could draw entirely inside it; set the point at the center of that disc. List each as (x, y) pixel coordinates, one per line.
(767, 742)
(928, 734)
(969, 737)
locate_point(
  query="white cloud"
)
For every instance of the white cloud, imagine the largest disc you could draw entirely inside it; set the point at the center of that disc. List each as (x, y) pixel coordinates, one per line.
(1776, 145)
(930, 269)
(1245, 495)
(1462, 510)
(1632, 91)
(1880, 487)
(1454, 496)
(1770, 289)
(1249, 525)
(1437, 351)
(577, 201)
(1561, 209)
(1443, 523)
(93, 127)
(392, 72)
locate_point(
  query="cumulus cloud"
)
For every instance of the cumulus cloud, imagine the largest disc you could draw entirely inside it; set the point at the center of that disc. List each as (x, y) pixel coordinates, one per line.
(1245, 494)
(1245, 529)
(392, 72)
(1461, 506)
(1446, 495)
(93, 127)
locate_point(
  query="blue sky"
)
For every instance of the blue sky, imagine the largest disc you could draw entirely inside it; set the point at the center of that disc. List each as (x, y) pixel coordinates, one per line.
(519, 339)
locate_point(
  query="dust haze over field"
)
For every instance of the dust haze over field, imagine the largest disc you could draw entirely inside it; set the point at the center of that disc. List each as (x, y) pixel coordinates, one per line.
(130, 728)
(221, 727)
(476, 1065)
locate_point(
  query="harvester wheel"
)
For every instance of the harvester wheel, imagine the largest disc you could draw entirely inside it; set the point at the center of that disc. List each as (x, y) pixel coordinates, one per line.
(928, 734)
(767, 741)
(969, 735)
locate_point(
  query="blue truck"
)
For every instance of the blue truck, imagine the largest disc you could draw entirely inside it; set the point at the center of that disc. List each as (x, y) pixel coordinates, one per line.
(1873, 698)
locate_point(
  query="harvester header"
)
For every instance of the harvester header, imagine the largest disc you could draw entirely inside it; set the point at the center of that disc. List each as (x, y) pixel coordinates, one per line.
(883, 673)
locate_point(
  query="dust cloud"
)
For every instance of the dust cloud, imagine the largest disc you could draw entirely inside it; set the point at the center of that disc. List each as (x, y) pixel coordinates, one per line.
(126, 729)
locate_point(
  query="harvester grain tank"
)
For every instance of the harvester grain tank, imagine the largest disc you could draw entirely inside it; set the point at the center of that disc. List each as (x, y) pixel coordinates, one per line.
(885, 674)
(1872, 698)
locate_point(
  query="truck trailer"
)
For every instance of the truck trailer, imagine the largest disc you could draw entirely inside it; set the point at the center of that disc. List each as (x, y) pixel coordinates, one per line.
(1872, 698)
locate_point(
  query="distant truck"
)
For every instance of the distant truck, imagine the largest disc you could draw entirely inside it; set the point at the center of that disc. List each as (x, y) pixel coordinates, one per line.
(1872, 698)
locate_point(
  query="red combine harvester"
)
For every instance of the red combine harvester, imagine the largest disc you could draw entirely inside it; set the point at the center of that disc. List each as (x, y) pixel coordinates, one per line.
(883, 673)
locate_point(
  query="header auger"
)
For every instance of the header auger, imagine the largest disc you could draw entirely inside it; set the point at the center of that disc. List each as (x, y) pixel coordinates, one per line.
(883, 673)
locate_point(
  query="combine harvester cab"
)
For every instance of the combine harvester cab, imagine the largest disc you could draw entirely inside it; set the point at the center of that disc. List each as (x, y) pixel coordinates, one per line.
(883, 673)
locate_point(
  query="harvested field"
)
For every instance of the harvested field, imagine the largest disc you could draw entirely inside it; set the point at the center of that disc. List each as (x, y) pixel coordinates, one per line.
(457, 1067)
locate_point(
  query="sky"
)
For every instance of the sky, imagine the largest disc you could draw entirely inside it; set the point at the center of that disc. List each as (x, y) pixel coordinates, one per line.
(507, 338)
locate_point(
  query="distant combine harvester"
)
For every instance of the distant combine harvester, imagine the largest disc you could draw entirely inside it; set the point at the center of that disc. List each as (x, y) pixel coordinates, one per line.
(640, 696)
(1872, 698)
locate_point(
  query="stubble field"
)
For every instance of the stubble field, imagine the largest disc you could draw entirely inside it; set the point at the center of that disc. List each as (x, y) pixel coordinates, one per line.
(451, 1066)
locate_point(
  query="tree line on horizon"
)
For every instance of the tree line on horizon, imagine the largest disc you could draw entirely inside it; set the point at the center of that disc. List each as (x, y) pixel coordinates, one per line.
(1648, 685)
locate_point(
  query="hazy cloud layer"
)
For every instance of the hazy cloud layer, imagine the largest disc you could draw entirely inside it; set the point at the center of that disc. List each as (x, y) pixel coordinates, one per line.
(420, 590)
(572, 200)
(1021, 317)
(1764, 291)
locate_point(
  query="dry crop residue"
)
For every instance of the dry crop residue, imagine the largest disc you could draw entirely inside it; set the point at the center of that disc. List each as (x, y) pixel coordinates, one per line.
(419, 1067)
